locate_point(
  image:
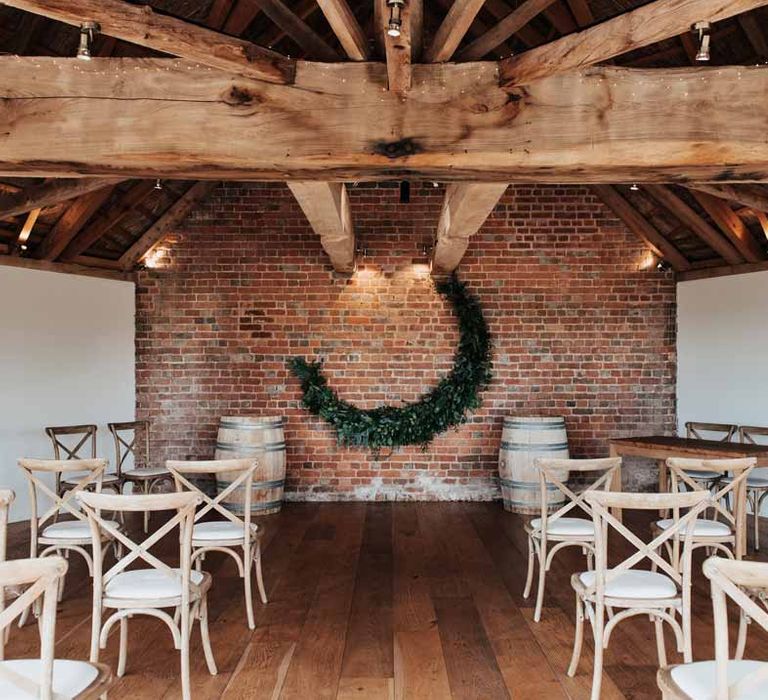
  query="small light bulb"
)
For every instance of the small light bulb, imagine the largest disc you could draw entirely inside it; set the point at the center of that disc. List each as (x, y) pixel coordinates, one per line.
(634, 187)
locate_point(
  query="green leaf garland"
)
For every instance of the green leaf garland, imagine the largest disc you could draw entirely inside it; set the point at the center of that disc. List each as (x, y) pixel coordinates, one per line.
(417, 423)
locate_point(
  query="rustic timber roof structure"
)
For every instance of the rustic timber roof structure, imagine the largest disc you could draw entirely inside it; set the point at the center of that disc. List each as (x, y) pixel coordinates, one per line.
(475, 93)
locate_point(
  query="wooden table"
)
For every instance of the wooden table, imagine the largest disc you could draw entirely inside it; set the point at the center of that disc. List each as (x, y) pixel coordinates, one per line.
(660, 447)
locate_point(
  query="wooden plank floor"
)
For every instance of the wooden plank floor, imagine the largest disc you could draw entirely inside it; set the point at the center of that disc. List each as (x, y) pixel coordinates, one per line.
(369, 601)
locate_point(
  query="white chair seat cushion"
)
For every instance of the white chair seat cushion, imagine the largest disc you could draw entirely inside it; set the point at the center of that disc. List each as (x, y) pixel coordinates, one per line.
(567, 526)
(702, 528)
(758, 478)
(148, 473)
(71, 530)
(697, 680)
(148, 583)
(70, 678)
(703, 475)
(635, 584)
(219, 530)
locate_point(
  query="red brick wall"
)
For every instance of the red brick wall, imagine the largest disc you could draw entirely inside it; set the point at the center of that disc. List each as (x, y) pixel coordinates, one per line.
(579, 330)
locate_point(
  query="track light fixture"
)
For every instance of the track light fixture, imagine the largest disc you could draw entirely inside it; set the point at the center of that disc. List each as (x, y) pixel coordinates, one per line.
(87, 32)
(395, 17)
(703, 31)
(634, 187)
(158, 184)
(663, 266)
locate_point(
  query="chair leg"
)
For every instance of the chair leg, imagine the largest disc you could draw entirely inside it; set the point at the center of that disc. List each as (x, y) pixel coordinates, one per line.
(123, 647)
(542, 581)
(578, 638)
(597, 673)
(529, 575)
(661, 648)
(186, 691)
(95, 631)
(248, 596)
(206, 637)
(741, 640)
(259, 575)
(145, 488)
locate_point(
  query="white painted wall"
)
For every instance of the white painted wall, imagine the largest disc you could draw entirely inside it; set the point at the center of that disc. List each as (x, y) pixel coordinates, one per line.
(722, 347)
(66, 357)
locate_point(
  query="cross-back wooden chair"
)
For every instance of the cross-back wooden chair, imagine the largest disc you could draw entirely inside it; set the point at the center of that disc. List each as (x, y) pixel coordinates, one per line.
(231, 533)
(723, 432)
(623, 590)
(757, 481)
(77, 442)
(47, 531)
(723, 530)
(46, 678)
(143, 476)
(153, 588)
(724, 679)
(555, 527)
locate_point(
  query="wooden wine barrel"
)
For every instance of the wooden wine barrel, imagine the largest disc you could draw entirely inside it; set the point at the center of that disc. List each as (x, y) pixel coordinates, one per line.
(262, 438)
(522, 441)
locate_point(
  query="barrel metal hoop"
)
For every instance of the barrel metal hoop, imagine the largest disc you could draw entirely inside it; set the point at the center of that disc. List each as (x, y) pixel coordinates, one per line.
(232, 425)
(535, 426)
(520, 447)
(266, 505)
(525, 485)
(251, 449)
(274, 484)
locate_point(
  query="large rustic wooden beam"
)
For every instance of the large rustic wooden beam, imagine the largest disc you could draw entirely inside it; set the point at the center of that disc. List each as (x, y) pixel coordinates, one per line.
(71, 222)
(452, 30)
(403, 50)
(68, 268)
(683, 213)
(512, 23)
(143, 26)
(465, 208)
(642, 228)
(326, 206)
(750, 196)
(340, 123)
(646, 25)
(731, 225)
(722, 271)
(346, 27)
(170, 219)
(103, 223)
(49, 193)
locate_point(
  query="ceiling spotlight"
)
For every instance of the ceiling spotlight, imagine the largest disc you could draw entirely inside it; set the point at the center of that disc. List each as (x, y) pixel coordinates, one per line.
(395, 17)
(435, 184)
(634, 187)
(702, 30)
(158, 184)
(87, 32)
(663, 266)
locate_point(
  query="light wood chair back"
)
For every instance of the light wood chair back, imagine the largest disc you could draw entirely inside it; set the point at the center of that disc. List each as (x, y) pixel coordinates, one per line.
(693, 429)
(126, 435)
(740, 468)
(550, 471)
(39, 577)
(728, 579)
(242, 472)
(602, 501)
(183, 503)
(749, 434)
(67, 502)
(72, 442)
(7, 496)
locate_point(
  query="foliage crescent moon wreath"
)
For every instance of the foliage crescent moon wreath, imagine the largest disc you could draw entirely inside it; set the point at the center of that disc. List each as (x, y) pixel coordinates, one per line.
(417, 423)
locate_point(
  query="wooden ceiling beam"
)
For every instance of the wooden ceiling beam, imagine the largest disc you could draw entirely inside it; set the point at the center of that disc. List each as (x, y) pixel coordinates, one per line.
(688, 216)
(339, 123)
(478, 27)
(506, 27)
(326, 206)
(296, 28)
(755, 35)
(465, 208)
(346, 28)
(452, 30)
(731, 225)
(103, 223)
(71, 222)
(67, 268)
(403, 50)
(632, 30)
(641, 227)
(752, 196)
(26, 230)
(143, 26)
(50, 193)
(170, 219)
(581, 12)
(499, 9)
(722, 271)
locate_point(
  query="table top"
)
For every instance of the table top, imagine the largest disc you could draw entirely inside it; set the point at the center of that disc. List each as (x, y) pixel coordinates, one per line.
(691, 446)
